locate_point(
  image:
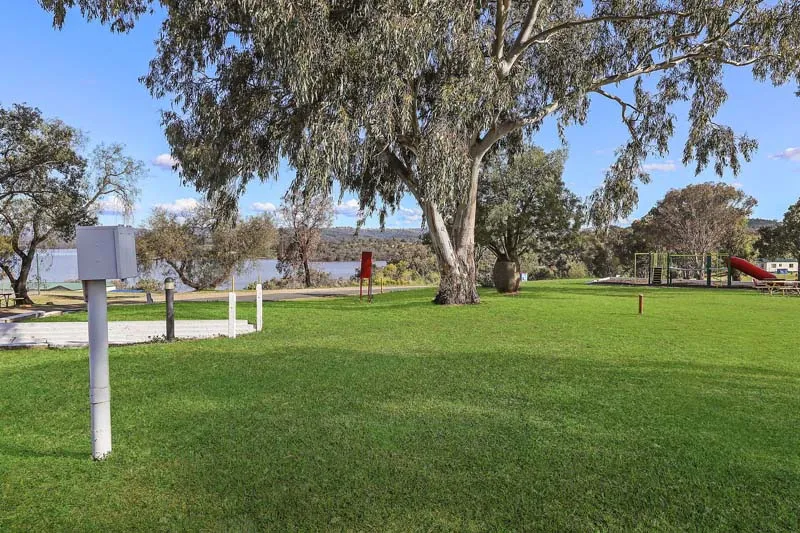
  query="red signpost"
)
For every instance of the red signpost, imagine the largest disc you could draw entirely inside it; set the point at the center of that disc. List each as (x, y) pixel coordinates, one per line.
(365, 273)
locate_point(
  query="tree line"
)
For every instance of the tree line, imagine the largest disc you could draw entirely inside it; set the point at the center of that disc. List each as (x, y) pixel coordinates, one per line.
(413, 98)
(526, 220)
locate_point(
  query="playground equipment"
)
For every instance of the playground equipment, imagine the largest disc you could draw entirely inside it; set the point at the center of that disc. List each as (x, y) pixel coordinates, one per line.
(750, 269)
(711, 269)
(661, 268)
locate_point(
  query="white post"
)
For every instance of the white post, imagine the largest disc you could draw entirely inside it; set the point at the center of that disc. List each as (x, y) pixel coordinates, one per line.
(232, 315)
(99, 390)
(259, 308)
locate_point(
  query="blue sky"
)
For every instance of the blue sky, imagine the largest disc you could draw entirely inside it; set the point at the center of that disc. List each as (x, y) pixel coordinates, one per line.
(87, 77)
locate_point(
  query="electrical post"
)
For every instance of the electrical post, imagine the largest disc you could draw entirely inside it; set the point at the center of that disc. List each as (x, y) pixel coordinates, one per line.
(169, 297)
(104, 252)
(259, 308)
(99, 382)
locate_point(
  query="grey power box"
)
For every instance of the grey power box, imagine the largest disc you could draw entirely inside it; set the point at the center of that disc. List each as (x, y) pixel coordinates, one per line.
(106, 252)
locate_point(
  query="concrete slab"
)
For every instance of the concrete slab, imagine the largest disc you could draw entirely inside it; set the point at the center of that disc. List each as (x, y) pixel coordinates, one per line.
(76, 334)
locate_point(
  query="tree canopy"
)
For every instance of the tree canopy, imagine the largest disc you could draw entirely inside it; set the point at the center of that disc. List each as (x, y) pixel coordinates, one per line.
(702, 218)
(200, 248)
(783, 239)
(48, 186)
(524, 206)
(396, 96)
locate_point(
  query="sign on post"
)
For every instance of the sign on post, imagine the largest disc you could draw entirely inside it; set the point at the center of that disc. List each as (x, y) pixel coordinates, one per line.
(104, 252)
(365, 273)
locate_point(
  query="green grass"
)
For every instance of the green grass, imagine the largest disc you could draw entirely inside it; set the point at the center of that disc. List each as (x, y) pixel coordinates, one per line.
(559, 409)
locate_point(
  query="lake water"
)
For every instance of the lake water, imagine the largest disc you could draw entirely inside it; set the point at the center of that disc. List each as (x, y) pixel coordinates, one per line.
(62, 265)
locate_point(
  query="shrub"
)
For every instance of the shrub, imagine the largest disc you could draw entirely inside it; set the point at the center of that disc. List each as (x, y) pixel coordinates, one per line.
(485, 279)
(148, 285)
(577, 270)
(540, 273)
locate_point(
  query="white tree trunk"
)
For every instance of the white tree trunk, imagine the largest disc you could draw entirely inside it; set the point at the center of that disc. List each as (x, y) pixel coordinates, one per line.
(455, 253)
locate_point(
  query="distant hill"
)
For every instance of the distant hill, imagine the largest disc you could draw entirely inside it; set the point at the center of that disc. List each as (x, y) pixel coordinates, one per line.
(345, 233)
(341, 244)
(758, 223)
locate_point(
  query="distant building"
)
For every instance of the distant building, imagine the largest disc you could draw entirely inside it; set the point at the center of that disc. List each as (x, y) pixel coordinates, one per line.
(779, 266)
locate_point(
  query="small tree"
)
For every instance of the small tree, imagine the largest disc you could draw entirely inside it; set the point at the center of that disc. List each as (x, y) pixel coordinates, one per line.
(303, 219)
(524, 207)
(783, 239)
(47, 187)
(202, 248)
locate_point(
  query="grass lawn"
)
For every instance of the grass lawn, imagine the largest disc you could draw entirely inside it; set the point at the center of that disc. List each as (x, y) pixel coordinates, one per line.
(559, 409)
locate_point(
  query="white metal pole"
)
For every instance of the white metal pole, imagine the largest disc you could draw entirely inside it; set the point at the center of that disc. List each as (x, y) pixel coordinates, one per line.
(232, 315)
(259, 308)
(99, 386)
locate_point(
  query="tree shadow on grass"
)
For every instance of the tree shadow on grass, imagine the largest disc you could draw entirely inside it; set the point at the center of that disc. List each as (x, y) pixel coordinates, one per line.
(621, 292)
(11, 450)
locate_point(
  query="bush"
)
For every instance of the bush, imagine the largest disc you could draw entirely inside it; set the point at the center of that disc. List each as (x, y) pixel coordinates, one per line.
(577, 270)
(485, 279)
(540, 273)
(148, 285)
(294, 280)
(405, 273)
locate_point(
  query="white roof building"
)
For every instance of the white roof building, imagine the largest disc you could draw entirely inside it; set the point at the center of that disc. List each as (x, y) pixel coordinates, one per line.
(780, 265)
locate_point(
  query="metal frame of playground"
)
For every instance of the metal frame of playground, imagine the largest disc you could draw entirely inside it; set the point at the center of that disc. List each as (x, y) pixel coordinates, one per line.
(665, 268)
(700, 269)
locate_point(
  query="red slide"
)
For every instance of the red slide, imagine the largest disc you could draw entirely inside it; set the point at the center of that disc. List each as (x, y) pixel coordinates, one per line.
(750, 269)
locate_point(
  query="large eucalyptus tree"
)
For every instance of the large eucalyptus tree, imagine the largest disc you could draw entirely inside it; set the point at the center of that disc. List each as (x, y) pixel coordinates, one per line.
(407, 96)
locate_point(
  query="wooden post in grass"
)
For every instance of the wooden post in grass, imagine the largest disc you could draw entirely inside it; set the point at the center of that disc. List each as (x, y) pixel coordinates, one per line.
(641, 304)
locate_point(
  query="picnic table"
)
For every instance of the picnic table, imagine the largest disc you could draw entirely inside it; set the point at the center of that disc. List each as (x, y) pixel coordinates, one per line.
(785, 287)
(5, 296)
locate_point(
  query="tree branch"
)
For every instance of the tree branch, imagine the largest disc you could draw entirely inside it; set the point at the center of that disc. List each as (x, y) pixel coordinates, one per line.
(524, 41)
(503, 7)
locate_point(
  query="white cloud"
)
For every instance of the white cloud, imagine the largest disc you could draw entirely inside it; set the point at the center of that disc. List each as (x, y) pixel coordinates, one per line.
(350, 208)
(664, 166)
(791, 154)
(263, 207)
(165, 161)
(180, 206)
(410, 216)
(737, 184)
(112, 206)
